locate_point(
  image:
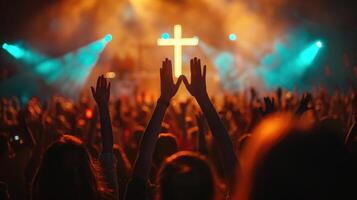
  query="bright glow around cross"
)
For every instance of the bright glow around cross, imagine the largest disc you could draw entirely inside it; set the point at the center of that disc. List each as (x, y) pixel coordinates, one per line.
(178, 42)
(319, 44)
(165, 36)
(232, 37)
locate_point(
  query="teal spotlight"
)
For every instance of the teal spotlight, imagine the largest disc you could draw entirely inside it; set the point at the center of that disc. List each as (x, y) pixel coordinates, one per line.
(232, 37)
(308, 55)
(319, 44)
(165, 36)
(108, 37)
(14, 50)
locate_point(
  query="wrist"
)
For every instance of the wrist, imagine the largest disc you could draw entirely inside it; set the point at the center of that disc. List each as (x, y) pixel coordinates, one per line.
(103, 106)
(202, 97)
(163, 101)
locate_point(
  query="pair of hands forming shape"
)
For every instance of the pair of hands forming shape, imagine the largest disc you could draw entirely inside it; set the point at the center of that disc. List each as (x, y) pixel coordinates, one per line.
(197, 87)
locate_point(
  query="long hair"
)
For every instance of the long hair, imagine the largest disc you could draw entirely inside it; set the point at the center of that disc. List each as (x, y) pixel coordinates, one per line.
(68, 172)
(287, 158)
(187, 176)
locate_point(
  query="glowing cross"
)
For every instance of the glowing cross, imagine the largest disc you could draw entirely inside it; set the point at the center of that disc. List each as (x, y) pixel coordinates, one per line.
(178, 42)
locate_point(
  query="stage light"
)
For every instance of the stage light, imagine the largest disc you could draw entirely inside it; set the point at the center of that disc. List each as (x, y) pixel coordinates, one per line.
(108, 37)
(69, 72)
(16, 137)
(319, 44)
(89, 113)
(14, 50)
(66, 73)
(232, 37)
(109, 75)
(27, 56)
(178, 42)
(307, 56)
(165, 36)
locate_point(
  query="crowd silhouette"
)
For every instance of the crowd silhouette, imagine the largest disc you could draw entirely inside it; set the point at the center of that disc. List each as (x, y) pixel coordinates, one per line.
(282, 145)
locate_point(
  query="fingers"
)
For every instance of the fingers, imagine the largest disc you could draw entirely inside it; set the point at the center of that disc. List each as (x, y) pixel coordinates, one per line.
(104, 82)
(169, 70)
(195, 67)
(108, 88)
(93, 91)
(199, 72)
(169, 66)
(101, 81)
(178, 83)
(108, 91)
(191, 69)
(162, 75)
(204, 73)
(165, 71)
(98, 83)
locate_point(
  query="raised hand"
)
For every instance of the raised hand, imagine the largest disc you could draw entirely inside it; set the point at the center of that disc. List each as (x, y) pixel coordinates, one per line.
(197, 88)
(101, 95)
(102, 92)
(143, 161)
(269, 106)
(304, 103)
(168, 87)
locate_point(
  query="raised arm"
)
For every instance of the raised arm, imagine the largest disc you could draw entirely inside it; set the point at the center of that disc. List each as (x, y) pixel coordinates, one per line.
(182, 123)
(201, 142)
(304, 104)
(197, 88)
(143, 161)
(101, 95)
(269, 106)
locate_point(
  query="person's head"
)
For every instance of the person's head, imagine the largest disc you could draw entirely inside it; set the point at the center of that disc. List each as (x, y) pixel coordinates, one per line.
(166, 145)
(67, 172)
(186, 176)
(287, 159)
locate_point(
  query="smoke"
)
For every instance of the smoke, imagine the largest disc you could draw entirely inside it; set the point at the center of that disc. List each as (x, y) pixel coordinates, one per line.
(259, 57)
(71, 23)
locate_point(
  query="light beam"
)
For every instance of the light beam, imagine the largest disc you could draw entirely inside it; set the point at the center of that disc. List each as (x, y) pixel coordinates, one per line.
(14, 50)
